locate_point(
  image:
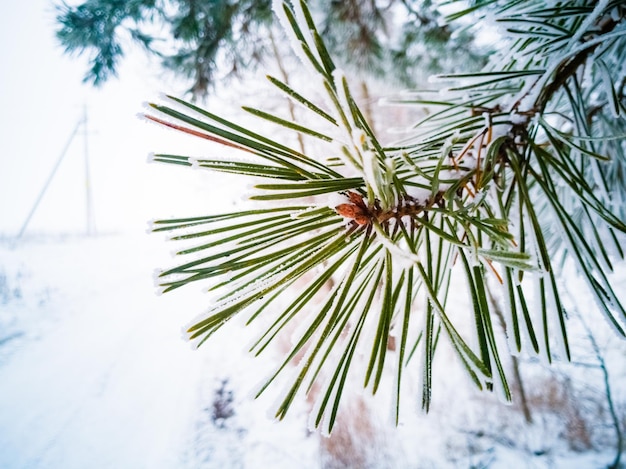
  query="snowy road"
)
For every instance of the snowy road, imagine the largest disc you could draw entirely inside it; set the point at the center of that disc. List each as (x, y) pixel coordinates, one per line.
(111, 384)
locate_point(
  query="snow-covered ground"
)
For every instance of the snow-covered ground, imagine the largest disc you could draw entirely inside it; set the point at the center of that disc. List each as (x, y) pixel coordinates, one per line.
(94, 373)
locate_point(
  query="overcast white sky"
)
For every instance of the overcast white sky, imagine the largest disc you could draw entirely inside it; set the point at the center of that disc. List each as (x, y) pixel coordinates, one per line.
(42, 98)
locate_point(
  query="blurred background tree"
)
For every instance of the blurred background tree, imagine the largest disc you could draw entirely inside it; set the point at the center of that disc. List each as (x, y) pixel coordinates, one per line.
(203, 41)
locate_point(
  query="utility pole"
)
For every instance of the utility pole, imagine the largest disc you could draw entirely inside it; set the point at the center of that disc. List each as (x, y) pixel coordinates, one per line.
(90, 219)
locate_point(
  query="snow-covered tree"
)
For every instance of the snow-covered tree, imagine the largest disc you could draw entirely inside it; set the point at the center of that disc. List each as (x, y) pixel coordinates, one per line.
(514, 175)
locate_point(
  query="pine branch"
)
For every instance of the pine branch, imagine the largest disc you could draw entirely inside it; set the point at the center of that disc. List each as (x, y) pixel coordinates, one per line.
(570, 66)
(492, 194)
